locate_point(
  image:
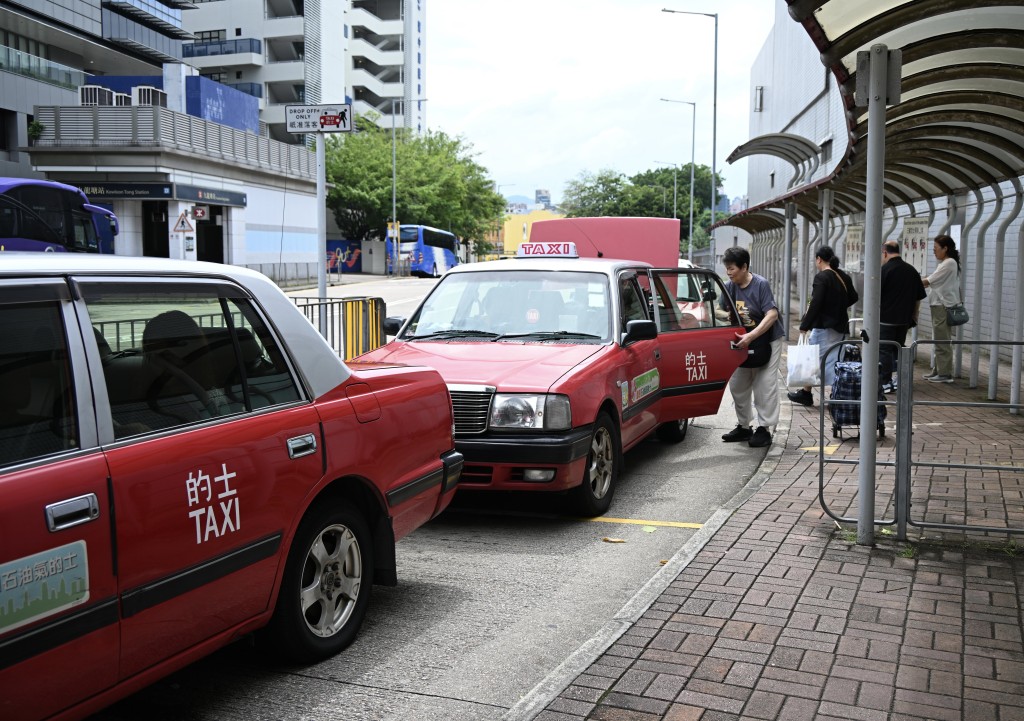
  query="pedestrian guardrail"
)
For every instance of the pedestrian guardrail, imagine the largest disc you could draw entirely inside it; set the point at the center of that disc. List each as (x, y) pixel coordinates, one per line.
(352, 326)
(967, 491)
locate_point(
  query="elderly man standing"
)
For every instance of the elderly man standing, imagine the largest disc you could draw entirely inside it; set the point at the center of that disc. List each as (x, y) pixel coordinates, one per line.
(901, 294)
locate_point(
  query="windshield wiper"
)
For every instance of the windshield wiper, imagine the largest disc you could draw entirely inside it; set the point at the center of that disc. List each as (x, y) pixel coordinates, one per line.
(548, 335)
(442, 334)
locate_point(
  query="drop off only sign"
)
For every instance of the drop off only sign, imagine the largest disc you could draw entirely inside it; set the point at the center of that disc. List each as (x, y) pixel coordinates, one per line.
(318, 118)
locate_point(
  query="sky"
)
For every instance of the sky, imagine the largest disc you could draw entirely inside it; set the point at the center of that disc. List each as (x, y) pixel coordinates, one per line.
(544, 90)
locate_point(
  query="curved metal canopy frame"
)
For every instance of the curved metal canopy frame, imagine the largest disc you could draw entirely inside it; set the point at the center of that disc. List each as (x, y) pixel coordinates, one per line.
(959, 125)
(797, 150)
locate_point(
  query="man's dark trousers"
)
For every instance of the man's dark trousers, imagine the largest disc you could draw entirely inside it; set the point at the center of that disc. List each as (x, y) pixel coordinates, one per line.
(887, 352)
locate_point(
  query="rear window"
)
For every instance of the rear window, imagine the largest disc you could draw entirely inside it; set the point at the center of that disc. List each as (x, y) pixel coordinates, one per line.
(181, 354)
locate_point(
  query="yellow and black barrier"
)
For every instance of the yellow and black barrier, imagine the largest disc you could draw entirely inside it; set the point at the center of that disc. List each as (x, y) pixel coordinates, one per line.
(352, 326)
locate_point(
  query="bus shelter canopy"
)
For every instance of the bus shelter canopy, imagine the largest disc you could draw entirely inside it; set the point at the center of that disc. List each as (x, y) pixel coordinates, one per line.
(959, 122)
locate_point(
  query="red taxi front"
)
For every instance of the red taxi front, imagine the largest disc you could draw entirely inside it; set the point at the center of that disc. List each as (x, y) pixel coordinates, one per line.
(557, 364)
(183, 460)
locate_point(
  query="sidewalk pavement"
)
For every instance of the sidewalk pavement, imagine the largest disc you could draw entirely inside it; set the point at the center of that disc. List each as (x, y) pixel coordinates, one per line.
(773, 611)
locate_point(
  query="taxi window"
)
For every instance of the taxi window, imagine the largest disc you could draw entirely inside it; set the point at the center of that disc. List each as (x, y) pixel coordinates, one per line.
(36, 402)
(511, 304)
(688, 300)
(177, 355)
(631, 302)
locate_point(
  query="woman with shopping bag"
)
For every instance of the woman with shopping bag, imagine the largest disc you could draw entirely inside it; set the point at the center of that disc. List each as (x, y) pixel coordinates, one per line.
(826, 318)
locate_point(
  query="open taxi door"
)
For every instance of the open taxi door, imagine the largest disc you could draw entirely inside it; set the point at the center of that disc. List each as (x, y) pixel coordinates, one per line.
(696, 326)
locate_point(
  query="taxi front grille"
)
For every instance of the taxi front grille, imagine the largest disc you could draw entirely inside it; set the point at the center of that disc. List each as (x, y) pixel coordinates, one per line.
(471, 408)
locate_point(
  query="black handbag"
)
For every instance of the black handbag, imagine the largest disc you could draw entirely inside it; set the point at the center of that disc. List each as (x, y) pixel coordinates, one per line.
(956, 315)
(759, 352)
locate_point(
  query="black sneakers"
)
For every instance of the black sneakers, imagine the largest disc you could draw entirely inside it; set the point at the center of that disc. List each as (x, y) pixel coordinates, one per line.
(739, 433)
(802, 396)
(760, 438)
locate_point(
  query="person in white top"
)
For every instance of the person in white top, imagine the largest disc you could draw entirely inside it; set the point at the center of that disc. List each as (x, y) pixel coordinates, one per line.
(943, 291)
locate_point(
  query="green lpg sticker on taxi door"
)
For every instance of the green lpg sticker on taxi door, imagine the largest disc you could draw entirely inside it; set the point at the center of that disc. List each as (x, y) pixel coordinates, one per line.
(644, 385)
(43, 584)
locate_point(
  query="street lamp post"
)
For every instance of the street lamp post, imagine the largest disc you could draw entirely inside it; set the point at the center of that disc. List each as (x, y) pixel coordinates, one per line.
(714, 122)
(394, 186)
(693, 149)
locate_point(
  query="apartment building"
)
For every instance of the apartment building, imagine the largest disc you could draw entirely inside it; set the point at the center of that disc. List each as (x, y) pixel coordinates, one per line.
(366, 52)
(48, 48)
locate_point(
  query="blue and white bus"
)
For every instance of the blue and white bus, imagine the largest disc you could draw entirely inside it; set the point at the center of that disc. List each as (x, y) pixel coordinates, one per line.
(49, 216)
(427, 251)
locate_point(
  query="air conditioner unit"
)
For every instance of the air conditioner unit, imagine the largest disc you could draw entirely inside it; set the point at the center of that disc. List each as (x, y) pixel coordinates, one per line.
(148, 95)
(89, 95)
(122, 99)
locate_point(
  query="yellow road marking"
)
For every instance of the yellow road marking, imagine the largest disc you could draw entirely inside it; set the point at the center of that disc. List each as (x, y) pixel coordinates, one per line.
(637, 522)
(829, 450)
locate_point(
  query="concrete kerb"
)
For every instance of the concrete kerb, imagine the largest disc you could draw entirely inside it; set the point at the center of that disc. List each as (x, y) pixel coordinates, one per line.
(549, 688)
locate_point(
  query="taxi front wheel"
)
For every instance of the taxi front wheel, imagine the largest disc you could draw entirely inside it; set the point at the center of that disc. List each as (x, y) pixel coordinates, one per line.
(326, 586)
(594, 495)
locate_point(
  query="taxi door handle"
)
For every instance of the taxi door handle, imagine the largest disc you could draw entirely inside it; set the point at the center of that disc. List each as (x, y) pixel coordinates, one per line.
(300, 446)
(72, 512)
(657, 354)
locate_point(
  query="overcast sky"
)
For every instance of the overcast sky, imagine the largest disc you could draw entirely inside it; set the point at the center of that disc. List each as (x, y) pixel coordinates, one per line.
(545, 89)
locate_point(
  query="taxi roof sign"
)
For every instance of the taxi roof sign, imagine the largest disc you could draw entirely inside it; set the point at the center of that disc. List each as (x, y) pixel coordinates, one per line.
(547, 250)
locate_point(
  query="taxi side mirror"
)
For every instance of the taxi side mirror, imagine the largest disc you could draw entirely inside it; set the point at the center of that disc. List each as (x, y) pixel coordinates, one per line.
(640, 330)
(393, 325)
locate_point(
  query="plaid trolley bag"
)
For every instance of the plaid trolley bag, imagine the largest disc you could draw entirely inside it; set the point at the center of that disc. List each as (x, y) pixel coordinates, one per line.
(846, 387)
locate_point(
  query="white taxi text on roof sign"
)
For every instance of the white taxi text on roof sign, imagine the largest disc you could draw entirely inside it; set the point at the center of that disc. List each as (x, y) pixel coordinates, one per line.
(548, 250)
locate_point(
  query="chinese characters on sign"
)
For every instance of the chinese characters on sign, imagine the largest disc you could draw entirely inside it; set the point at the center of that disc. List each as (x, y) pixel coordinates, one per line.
(696, 367)
(318, 118)
(43, 584)
(217, 513)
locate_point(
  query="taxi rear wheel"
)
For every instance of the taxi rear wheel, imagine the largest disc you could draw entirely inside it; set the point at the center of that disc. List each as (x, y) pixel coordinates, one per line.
(673, 431)
(594, 495)
(326, 586)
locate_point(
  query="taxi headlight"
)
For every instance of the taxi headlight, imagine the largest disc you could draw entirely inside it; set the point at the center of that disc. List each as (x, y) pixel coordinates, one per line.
(530, 411)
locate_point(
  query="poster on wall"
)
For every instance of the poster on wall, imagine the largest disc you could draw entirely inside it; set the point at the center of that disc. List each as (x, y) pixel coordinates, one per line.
(854, 261)
(344, 256)
(914, 243)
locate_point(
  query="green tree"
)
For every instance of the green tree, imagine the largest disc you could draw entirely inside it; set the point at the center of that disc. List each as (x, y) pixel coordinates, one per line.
(437, 183)
(646, 194)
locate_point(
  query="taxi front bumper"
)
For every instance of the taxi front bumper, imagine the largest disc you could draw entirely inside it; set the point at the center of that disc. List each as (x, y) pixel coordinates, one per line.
(506, 462)
(550, 449)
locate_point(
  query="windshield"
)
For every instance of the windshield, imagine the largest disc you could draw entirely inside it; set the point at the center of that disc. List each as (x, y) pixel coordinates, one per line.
(499, 305)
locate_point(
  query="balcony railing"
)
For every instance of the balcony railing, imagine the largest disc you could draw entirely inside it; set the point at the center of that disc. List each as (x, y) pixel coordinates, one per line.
(222, 47)
(134, 127)
(37, 68)
(253, 89)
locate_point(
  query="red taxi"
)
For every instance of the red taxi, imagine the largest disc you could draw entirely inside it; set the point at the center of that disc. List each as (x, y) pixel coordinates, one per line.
(557, 364)
(184, 460)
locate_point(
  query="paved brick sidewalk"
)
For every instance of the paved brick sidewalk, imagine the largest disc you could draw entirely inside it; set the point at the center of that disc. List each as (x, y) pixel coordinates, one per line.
(780, 615)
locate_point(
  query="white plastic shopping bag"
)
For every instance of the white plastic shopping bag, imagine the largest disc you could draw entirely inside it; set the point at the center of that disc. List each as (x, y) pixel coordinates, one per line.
(803, 365)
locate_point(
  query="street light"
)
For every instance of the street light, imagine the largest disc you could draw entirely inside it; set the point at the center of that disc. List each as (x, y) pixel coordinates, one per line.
(714, 121)
(693, 147)
(498, 237)
(394, 184)
(675, 184)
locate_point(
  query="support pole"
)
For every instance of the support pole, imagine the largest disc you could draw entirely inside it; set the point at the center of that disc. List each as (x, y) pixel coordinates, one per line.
(879, 90)
(321, 227)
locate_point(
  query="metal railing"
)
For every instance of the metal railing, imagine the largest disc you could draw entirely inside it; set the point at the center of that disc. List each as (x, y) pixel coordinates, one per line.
(135, 126)
(352, 326)
(908, 455)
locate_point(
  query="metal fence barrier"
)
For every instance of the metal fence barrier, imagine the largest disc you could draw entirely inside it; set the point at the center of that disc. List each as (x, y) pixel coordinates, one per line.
(352, 326)
(907, 453)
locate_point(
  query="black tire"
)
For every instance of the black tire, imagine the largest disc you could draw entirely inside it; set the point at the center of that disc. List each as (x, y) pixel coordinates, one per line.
(673, 431)
(326, 586)
(594, 495)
